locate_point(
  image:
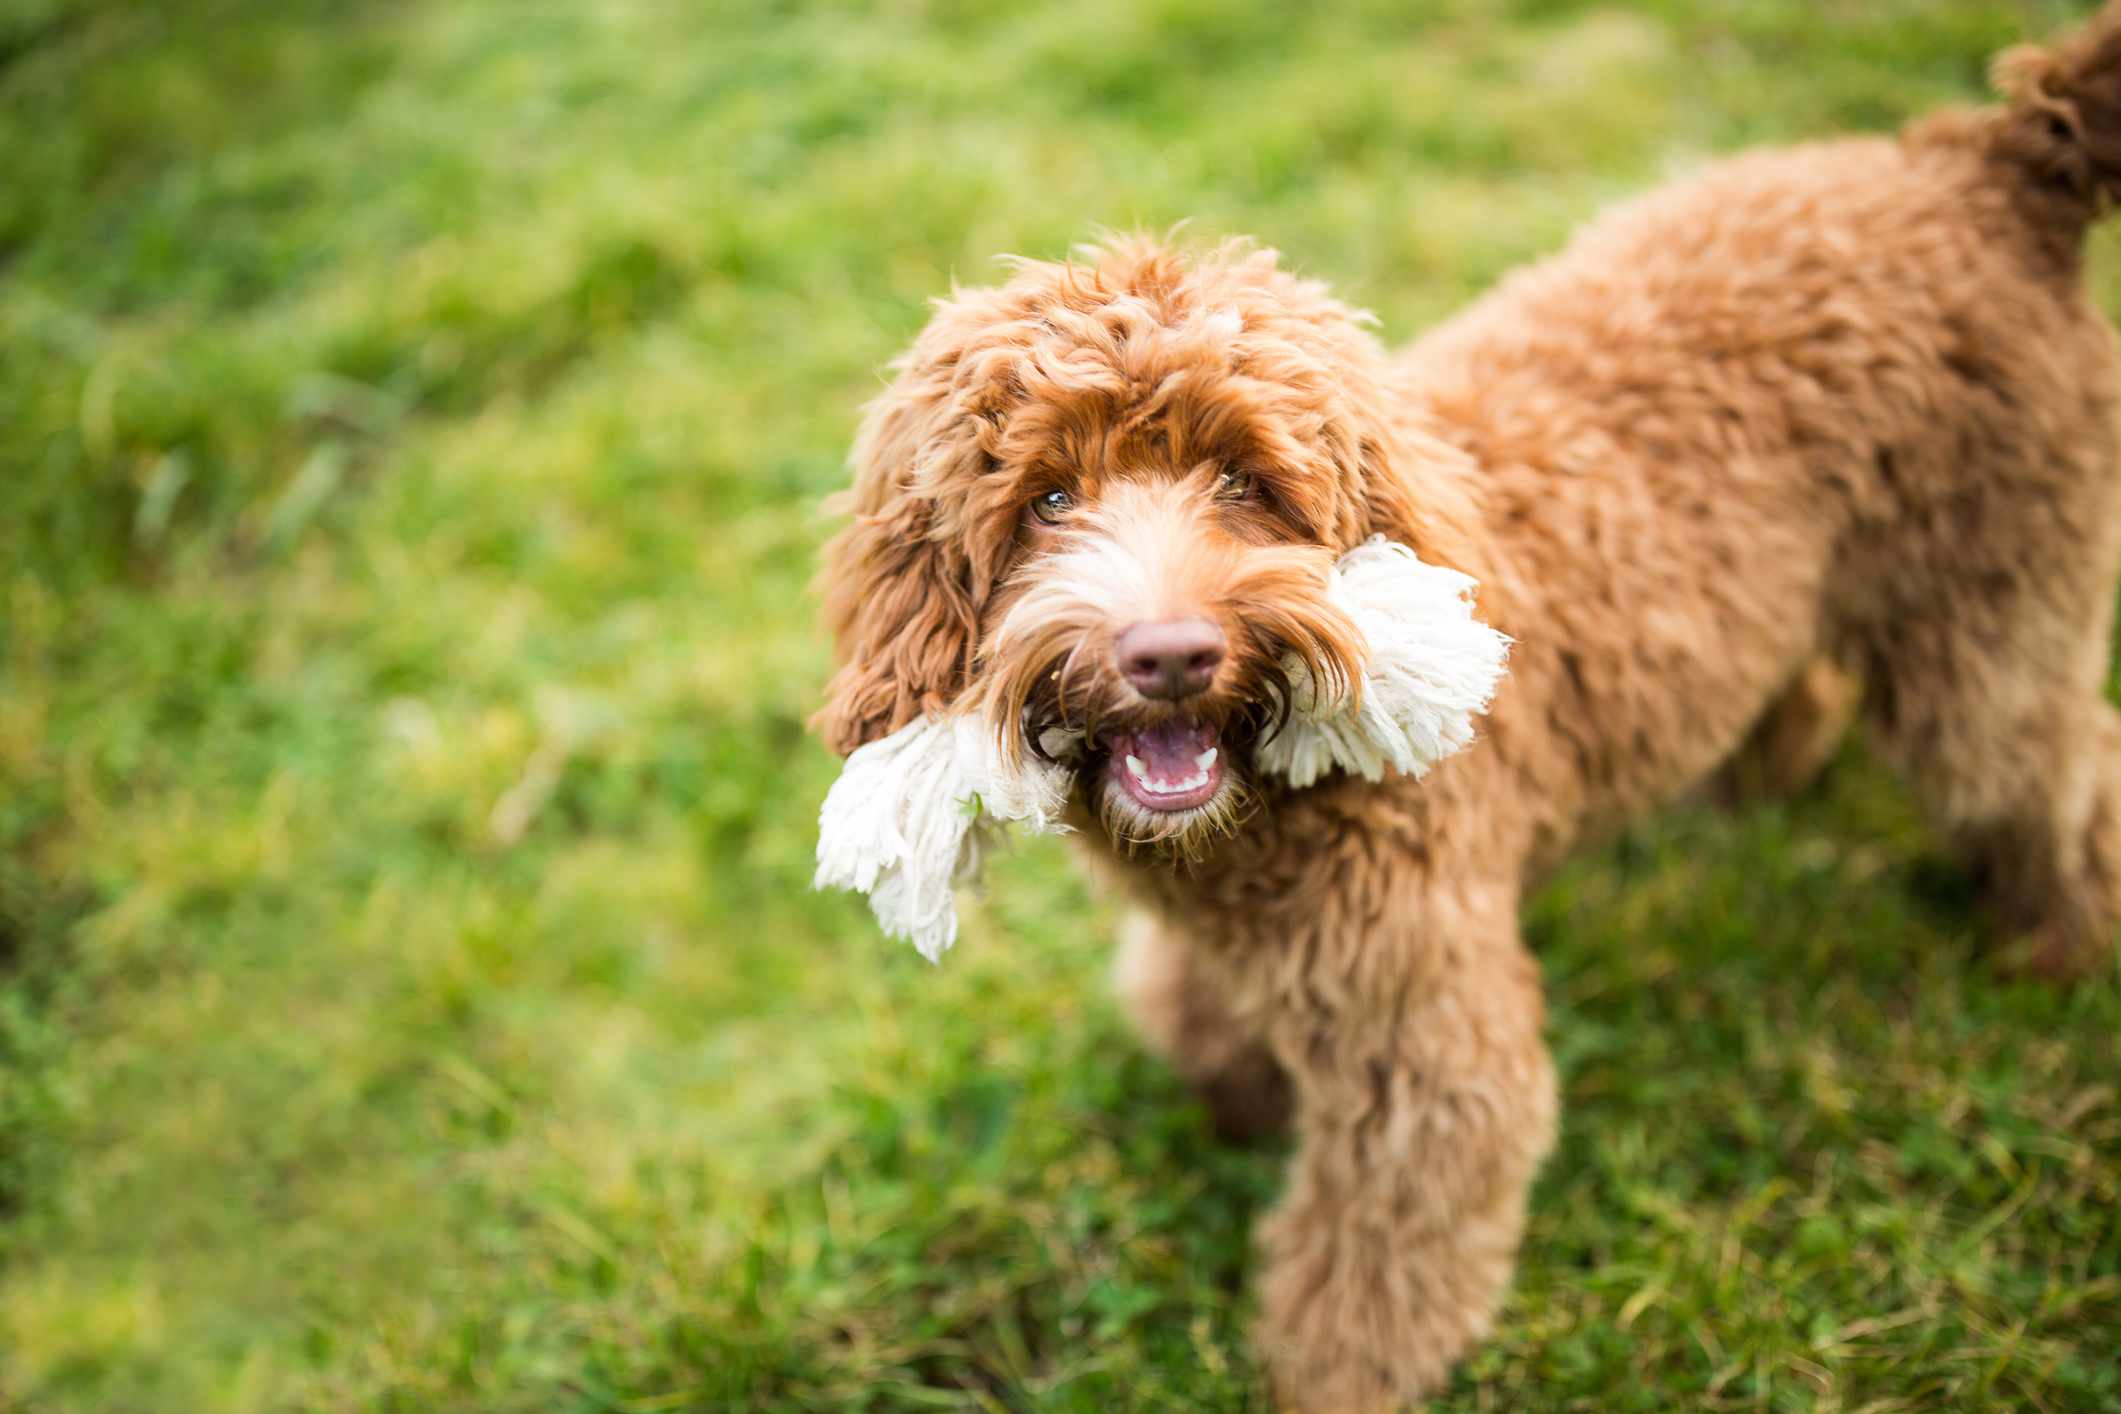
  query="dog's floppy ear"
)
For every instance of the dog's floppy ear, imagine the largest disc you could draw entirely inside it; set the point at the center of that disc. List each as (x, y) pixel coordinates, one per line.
(897, 582)
(1418, 490)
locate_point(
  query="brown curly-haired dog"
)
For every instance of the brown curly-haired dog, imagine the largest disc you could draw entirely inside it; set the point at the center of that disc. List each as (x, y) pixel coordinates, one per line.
(1845, 404)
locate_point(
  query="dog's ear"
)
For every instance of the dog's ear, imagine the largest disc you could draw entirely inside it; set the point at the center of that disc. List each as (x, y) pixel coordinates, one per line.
(897, 582)
(1373, 466)
(1419, 490)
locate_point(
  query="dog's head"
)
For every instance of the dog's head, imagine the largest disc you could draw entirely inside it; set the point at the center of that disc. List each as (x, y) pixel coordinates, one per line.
(1100, 505)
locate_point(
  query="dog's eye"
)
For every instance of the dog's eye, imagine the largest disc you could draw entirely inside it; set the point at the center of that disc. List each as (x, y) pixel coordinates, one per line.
(1237, 486)
(1053, 507)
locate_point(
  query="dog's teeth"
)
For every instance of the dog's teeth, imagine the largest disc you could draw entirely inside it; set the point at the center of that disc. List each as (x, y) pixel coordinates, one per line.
(1059, 742)
(1140, 771)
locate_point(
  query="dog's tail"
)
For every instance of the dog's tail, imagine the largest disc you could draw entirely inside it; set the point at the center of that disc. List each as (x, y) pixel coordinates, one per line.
(2060, 124)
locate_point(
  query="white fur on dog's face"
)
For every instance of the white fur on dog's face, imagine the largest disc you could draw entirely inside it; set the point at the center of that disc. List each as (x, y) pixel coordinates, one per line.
(1150, 549)
(1120, 565)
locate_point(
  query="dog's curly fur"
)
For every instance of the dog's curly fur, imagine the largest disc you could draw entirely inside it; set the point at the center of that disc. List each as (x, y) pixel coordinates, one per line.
(1839, 412)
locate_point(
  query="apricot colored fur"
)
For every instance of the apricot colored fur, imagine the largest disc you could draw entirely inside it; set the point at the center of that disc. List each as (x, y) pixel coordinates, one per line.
(1835, 414)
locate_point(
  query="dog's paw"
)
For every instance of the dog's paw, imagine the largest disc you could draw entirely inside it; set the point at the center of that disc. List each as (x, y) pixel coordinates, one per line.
(1348, 1372)
(1371, 1327)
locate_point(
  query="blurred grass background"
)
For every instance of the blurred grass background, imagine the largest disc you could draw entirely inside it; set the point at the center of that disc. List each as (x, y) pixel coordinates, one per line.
(412, 423)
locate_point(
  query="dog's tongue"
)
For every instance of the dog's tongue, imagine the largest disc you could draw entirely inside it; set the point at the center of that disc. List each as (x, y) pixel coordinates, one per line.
(1172, 751)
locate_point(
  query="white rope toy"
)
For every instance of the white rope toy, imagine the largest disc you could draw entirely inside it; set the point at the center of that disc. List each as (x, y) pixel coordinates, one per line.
(907, 818)
(1431, 669)
(902, 823)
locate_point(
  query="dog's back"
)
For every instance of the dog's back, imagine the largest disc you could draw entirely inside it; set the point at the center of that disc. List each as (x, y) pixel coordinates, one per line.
(1844, 399)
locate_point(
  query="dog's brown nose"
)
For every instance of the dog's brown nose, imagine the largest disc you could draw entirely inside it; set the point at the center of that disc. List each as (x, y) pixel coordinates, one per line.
(1170, 660)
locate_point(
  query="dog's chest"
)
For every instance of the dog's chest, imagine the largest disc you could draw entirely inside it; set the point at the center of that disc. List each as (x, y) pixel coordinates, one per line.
(1330, 859)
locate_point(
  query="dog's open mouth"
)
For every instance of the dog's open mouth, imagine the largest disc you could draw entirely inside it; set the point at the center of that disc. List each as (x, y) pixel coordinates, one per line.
(1175, 765)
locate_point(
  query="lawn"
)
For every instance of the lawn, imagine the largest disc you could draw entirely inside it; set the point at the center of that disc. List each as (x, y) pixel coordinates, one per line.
(413, 423)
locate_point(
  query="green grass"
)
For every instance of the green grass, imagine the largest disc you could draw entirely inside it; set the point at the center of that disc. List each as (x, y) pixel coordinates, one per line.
(412, 423)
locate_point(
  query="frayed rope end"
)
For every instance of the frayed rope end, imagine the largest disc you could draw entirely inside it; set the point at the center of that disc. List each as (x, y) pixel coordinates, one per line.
(1432, 669)
(912, 814)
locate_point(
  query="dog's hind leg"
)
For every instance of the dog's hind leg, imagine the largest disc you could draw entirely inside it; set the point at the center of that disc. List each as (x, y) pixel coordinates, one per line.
(1992, 700)
(1425, 1101)
(2056, 880)
(2041, 829)
(1180, 1010)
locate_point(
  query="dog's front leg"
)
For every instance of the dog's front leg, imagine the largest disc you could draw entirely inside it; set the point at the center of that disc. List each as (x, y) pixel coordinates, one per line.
(1425, 1101)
